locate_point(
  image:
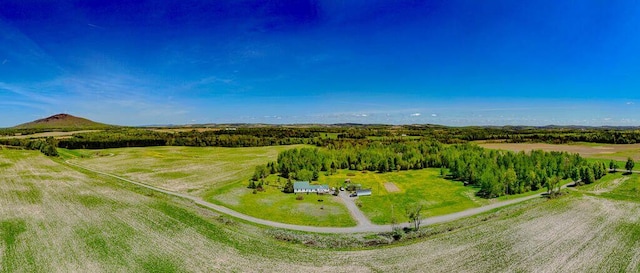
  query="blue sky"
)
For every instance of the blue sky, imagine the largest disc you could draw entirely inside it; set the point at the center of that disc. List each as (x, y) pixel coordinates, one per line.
(398, 62)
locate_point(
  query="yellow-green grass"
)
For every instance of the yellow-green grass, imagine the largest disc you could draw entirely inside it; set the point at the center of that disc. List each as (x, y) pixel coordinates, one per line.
(604, 182)
(628, 189)
(619, 163)
(193, 170)
(329, 135)
(272, 204)
(55, 218)
(83, 222)
(439, 196)
(394, 137)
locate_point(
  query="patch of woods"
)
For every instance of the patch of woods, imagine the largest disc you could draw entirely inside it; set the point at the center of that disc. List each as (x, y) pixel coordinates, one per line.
(46, 146)
(496, 173)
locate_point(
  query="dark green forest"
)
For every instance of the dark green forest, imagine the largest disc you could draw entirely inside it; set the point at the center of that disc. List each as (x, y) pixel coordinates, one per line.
(496, 173)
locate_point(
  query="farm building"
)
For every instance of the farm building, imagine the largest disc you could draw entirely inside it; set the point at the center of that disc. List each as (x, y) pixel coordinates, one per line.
(363, 192)
(305, 187)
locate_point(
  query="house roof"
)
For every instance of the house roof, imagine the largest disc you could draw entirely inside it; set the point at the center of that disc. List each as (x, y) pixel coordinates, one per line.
(304, 185)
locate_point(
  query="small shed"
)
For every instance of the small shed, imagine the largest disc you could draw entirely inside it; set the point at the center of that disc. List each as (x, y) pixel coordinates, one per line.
(363, 192)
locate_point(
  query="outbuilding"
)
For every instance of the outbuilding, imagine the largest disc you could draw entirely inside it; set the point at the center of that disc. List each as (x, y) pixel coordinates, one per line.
(363, 192)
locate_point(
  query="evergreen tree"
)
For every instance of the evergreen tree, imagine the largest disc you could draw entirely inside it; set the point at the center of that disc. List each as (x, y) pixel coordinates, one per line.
(613, 166)
(288, 187)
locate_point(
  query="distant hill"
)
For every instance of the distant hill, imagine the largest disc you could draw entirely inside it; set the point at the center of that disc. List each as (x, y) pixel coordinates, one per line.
(62, 121)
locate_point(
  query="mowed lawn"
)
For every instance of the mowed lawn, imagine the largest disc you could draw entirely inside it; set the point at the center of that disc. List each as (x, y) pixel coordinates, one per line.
(193, 170)
(438, 195)
(272, 204)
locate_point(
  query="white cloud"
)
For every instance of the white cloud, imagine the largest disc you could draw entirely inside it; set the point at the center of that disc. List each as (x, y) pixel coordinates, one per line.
(630, 103)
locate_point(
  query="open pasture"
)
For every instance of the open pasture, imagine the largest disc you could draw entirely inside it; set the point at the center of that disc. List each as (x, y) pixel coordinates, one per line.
(439, 196)
(193, 170)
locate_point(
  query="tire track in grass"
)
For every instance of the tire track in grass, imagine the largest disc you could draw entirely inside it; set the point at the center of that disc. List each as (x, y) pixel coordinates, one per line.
(361, 228)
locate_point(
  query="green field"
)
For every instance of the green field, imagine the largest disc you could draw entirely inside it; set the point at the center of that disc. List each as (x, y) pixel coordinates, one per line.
(440, 196)
(274, 205)
(619, 186)
(57, 218)
(203, 171)
(620, 163)
(193, 170)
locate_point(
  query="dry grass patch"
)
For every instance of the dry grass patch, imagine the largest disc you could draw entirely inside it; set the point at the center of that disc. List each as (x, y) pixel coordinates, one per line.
(611, 151)
(390, 187)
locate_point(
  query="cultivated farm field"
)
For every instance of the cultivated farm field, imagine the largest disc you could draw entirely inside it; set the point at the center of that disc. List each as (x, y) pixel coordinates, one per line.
(192, 170)
(617, 152)
(57, 218)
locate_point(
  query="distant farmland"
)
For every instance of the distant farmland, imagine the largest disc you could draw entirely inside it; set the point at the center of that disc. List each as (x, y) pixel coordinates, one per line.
(593, 150)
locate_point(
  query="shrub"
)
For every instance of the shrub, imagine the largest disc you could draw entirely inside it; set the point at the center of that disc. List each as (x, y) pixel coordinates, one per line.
(299, 197)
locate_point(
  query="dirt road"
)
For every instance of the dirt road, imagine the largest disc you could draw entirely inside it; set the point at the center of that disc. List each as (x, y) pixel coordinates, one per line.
(364, 225)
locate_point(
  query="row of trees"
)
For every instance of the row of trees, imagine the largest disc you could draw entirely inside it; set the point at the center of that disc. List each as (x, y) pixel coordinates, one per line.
(46, 146)
(143, 138)
(497, 173)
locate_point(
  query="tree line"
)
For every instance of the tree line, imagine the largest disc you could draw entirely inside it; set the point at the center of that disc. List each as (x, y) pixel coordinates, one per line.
(46, 146)
(143, 138)
(496, 173)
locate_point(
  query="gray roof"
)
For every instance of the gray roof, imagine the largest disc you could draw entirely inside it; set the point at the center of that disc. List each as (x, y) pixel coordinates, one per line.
(304, 185)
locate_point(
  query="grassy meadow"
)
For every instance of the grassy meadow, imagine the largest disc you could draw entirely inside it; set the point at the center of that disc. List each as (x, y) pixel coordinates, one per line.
(208, 171)
(440, 196)
(193, 170)
(618, 186)
(272, 204)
